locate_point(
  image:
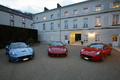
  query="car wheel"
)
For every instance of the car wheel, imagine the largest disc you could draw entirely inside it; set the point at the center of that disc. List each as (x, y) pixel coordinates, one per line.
(103, 57)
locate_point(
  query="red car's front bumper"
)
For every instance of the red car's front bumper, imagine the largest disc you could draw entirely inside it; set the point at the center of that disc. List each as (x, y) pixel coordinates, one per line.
(91, 57)
(57, 54)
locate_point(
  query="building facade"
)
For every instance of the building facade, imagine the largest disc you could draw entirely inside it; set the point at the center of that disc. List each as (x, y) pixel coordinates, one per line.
(90, 21)
(13, 17)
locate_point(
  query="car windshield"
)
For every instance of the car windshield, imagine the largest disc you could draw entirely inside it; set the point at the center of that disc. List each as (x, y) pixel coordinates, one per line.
(100, 46)
(56, 44)
(17, 45)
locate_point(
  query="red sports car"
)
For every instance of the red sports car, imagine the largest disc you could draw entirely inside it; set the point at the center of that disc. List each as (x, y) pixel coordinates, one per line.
(95, 51)
(57, 49)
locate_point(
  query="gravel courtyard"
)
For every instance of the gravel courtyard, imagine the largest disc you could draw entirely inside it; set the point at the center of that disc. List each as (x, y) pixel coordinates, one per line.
(72, 67)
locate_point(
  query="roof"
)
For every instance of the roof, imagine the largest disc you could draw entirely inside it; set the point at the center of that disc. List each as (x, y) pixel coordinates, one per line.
(12, 11)
(66, 6)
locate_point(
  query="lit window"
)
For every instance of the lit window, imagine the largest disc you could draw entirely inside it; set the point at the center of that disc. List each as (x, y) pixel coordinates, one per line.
(85, 10)
(98, 23)
(114, 37)
(75, 11)
(66, 13)
(98, 8)
(23, 19)
(85, 22)
(85, 38)
(66, 24)
(97, 38)
(74, 23)
(115, 19)
(116, 5)
(44, 17)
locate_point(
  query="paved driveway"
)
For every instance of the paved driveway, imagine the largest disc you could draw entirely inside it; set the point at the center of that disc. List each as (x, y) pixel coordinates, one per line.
(72, 67)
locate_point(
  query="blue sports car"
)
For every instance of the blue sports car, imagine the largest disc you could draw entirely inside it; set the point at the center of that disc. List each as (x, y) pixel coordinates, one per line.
(19, 51)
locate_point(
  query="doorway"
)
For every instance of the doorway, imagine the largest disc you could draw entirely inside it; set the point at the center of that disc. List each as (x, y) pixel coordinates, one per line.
(75, 37)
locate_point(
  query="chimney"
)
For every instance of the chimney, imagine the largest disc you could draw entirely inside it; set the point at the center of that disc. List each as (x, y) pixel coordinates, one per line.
(46, 9)
(58, 5)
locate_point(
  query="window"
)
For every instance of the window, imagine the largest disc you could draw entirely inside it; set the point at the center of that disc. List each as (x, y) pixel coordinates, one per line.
(37, 19)
(66, 37)
(66, 24)
(44, 17)
(85, 10)
(116, 5)
(85, 22)
(74, 23)
(98, 8)
(66, 13)
(11, 16)
(85, 38)
(52, 26)
(23, 25)
(98, 22)
(11, 22)
(114, 37)
(115, 19)
(23, 19)
(75, 12)
(44, 26)
(52, 16)
(97, 38)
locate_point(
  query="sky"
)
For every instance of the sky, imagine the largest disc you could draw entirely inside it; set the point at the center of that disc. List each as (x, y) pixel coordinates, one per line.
(36, 6)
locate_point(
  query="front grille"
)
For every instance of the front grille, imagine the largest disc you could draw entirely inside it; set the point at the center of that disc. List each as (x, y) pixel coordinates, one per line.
(28, 56)
(87, 56)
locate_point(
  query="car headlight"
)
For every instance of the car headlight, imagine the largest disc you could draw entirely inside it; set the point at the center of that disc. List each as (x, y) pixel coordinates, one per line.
(49, 50)
(97, 53)
(14, 54)
(82, 50)
(31, 50)
(64, 50)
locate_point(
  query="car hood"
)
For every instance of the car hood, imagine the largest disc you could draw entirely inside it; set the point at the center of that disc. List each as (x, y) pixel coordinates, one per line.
(22, 51)
(57, 48)
(90, 51)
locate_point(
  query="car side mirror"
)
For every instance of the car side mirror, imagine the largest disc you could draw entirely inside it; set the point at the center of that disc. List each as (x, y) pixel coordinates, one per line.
(7, 47)
(64, 44)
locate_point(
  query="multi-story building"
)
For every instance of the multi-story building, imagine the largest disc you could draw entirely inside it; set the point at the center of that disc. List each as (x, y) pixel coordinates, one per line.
(89, 21)
(13, 17)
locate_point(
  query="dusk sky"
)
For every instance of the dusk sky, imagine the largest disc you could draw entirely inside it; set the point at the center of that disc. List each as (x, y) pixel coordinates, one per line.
(36, 6)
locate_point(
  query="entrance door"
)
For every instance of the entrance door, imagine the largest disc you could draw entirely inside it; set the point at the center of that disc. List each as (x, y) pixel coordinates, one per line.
(77, 37)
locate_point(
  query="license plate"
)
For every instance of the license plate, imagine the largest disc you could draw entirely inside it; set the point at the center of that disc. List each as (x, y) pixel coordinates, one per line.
(86, 58)
(25, 59)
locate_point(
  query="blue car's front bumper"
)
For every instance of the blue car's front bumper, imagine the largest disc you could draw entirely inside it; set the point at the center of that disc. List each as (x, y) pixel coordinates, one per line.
(21, 58)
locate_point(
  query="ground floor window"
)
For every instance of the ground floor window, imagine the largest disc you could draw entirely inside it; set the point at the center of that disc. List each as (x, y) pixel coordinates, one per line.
(114, 38)
(66, 37)
(85, 38)
(97, 37)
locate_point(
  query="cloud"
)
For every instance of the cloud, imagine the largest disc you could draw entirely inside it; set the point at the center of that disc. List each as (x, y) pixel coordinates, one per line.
(35, 6)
